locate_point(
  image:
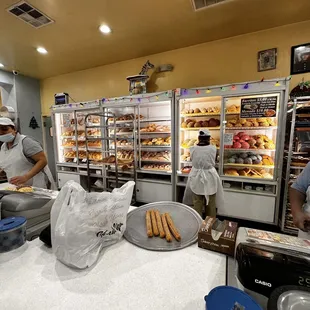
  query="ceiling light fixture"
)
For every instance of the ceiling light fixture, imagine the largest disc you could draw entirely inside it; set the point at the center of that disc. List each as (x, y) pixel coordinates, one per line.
(1, 65)
(105, 29)
(42, 50)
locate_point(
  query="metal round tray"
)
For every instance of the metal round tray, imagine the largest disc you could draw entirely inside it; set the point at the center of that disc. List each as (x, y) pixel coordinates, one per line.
(290, 297)
(186, 219)
(294, 300)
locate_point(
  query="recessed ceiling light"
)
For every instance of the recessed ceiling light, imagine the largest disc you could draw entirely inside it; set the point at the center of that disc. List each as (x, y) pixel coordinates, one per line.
(105, 29)
(1, 65)
(42, 50)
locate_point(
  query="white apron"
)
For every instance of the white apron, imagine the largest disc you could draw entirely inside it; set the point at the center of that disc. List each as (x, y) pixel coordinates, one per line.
(306, 208)
(203, 178)
(15, 163)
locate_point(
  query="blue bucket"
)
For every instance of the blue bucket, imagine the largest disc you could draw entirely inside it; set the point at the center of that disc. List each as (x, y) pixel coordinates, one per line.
(230, 298)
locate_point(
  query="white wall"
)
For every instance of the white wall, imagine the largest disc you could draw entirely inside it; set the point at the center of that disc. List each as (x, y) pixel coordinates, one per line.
(23, 94)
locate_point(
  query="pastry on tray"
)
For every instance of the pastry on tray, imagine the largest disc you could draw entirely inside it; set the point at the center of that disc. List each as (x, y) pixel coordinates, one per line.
(95, 156)
(248, 158)
(242, 140)
(250, 122)
(70, 154)
(157, 167)
(299, 161)
(247, 172)
(203, 110)
(156, 142)
(233, 109)
(94, 143)
(156, 128)
(186, 157)
(156, 156)
(68, 133)
(193, 123)
(68, 143)
(161, 225)
(186, 169)
(123, 142)
(191, 142)
(126, 117)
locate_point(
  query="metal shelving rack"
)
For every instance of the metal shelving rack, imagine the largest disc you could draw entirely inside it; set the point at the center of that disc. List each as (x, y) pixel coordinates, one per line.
(155, 176)
(152, 184)
(124, 170)
(105, 148)
(286, 220)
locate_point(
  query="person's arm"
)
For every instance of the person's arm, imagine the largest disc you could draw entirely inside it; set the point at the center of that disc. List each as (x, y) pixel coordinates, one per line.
(298, 197)
(40, 163)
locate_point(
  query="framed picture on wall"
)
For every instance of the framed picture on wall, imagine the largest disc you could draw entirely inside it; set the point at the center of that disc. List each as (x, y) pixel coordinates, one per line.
(300, 59)
(267, 60)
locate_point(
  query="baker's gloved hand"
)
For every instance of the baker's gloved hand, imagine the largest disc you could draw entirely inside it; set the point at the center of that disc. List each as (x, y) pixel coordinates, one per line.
(18, 180)
(302, 221)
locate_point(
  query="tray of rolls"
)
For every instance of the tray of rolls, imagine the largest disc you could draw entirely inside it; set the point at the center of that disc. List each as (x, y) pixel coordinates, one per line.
(163, 226)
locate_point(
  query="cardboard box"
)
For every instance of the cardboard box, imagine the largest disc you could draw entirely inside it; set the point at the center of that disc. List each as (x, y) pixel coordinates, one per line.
(218, 236)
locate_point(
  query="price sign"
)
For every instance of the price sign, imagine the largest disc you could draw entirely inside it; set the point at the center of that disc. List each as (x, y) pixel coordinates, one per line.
(228, 138)
(84, 160)
(259, 107)
(66, 119)
(75, 160)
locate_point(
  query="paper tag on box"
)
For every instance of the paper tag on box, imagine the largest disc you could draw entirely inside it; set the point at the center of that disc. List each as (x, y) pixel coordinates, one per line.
(218, 236)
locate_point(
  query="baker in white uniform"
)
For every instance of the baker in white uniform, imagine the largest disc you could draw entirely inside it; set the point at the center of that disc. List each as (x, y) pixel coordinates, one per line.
(204, 188)
(22, 158)
(300, 203)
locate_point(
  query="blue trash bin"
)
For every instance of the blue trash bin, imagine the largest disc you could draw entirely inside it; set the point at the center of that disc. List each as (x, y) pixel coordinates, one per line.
(12, 233)
(230, 298)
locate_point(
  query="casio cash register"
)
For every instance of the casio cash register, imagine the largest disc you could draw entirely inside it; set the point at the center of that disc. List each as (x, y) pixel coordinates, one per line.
(274, 269)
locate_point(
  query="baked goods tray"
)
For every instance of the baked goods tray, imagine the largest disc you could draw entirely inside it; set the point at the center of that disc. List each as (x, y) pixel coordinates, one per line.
(186, 220)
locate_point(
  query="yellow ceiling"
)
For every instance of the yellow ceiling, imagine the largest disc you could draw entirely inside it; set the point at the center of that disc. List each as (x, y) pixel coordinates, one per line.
(140, 28)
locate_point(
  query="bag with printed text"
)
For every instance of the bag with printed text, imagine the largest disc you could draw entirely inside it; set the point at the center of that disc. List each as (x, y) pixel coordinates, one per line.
(83, 223)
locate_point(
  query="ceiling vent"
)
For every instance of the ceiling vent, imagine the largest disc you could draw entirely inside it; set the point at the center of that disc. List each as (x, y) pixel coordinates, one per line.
(27, 13)
(202, 4)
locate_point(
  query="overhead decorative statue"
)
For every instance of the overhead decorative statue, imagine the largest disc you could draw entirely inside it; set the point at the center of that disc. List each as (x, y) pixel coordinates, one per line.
(146, 67)
(137, 83)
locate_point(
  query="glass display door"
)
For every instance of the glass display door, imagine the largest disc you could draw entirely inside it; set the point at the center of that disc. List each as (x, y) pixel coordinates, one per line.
(250, 136)
(65, 129)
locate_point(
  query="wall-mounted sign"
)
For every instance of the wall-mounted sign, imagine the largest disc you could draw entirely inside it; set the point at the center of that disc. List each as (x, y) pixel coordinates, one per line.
(259, 107)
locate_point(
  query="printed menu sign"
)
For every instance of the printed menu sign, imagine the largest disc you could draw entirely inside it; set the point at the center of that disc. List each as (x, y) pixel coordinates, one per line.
(259, 107)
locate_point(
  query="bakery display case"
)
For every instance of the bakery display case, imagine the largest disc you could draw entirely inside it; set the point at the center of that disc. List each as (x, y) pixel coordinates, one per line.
(155, 180)
(65, 137)
(195, 112)
(296, 155)
(251, 148)
(69, 140)
(143, 135)
(250, 136)
(246, 122)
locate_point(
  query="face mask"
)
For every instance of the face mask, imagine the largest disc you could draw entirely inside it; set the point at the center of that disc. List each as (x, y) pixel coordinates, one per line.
(9, 137)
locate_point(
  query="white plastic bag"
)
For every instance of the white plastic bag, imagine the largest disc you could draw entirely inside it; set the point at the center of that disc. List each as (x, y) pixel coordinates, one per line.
(83, 223)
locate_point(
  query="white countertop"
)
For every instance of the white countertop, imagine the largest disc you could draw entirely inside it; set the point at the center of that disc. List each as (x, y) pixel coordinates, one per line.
(125, 277)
